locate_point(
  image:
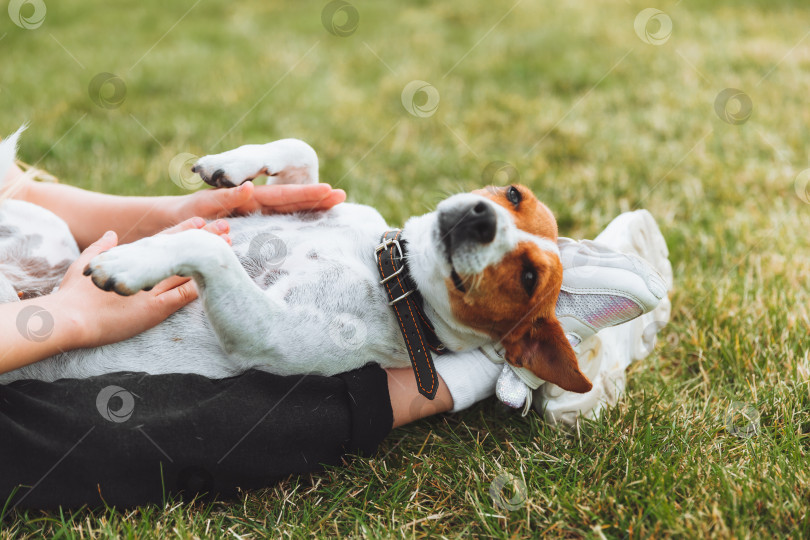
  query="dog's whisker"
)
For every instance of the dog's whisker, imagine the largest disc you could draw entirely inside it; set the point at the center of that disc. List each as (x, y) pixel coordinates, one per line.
(479, 278)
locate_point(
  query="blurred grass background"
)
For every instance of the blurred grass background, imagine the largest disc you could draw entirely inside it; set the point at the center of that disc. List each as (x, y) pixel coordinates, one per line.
(597, 122)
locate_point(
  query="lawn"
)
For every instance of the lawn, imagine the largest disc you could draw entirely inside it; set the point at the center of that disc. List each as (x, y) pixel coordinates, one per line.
(598, 115)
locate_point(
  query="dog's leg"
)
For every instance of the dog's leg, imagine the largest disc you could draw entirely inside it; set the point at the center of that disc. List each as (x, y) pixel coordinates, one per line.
(230, 297)
(288, 161)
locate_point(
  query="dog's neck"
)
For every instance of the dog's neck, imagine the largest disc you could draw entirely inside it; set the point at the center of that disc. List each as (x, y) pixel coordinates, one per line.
(426, 271)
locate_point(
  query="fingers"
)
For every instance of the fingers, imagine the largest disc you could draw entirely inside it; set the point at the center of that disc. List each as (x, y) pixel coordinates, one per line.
(174, 298)
(293, 197)
(229, 199)
(219, 227)
(191, 223)
(223, 202)
(82, 264)
(109, 240)
(168, 284)
(284, 194)
(335, 197)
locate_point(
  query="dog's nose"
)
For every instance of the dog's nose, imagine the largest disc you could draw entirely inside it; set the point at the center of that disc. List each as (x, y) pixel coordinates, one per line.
(473, 222)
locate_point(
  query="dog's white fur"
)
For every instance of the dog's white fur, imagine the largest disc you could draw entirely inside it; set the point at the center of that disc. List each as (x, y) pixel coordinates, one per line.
(36, 246)
(296, 294)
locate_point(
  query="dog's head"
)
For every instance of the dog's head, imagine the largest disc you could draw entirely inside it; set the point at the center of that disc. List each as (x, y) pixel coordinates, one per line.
(494, 253)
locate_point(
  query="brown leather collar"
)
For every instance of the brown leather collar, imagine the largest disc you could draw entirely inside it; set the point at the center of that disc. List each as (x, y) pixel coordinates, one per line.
(420, 336)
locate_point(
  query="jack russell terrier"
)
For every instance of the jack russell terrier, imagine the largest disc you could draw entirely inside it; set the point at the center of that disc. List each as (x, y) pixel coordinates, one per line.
(484, 267)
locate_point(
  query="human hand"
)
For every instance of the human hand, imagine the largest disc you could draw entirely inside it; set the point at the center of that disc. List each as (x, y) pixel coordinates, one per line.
(248, 198)
(103, 318)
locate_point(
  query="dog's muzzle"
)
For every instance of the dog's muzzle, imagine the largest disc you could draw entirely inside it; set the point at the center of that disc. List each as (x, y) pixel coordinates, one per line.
(474, 222)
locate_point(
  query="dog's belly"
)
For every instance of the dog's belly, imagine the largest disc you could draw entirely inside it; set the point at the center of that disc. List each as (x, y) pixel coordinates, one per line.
(36, 249)
(321, 266)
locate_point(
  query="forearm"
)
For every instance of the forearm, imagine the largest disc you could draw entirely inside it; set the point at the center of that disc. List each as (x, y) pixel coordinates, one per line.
(90, 214)
(408, 404)
(35, 329)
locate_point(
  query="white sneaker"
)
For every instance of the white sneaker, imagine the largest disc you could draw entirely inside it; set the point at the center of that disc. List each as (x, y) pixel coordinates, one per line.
(604, 357)
(637, 232)
(601, 288)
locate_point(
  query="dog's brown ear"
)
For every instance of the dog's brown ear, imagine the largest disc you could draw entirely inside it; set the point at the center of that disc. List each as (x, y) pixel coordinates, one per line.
(545, 351)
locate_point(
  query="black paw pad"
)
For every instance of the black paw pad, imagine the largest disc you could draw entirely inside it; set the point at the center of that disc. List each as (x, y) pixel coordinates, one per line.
(217, 177)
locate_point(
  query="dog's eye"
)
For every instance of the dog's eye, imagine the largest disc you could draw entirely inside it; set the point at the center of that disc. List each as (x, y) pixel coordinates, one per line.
(514, 195)
(528, 278)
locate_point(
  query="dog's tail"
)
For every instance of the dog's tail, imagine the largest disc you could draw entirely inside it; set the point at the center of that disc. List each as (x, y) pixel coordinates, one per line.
(8, 152)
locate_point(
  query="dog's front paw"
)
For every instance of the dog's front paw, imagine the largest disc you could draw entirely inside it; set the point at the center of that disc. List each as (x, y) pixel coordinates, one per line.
(228, 169)
(216, 178)
(126, 270)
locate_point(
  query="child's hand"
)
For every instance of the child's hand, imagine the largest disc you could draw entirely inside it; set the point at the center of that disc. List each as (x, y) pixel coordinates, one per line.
(103, 317)
(247, 198)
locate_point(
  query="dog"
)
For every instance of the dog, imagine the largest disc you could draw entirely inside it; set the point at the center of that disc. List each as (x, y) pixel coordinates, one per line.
(301, 293)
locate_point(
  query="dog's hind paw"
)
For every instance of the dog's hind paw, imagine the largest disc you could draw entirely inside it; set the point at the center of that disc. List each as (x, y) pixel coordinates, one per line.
(125, 270)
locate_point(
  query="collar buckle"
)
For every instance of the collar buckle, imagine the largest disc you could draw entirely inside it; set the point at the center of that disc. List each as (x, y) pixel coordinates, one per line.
(385, 244)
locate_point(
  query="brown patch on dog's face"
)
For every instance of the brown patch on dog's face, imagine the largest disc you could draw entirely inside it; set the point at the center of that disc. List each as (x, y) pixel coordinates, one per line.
(514, 300)
(529, 213)
(499, 300)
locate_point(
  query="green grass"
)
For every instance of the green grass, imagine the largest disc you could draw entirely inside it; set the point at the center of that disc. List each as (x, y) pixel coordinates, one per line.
(597, 122)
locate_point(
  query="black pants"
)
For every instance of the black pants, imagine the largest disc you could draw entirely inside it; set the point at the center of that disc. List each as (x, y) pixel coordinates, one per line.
(128, 438)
